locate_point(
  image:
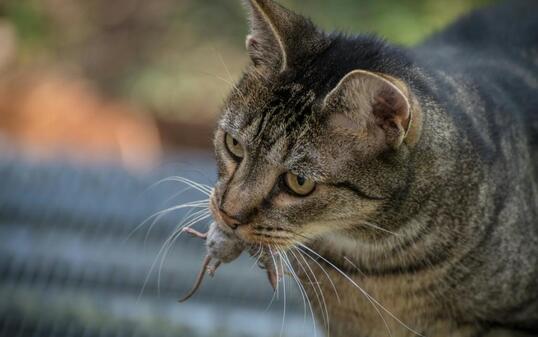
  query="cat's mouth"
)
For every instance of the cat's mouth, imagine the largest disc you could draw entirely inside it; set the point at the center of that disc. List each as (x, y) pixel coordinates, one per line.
(217, 216)
(254, 234)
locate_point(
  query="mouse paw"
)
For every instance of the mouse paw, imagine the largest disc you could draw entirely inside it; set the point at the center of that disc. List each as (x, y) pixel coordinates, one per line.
(211, 269)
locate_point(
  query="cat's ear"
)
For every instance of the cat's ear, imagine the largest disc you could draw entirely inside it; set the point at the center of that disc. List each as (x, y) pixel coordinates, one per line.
(279, 37)
(373, 105)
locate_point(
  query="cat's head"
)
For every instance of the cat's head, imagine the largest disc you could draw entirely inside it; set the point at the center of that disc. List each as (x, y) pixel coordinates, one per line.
(316, 136)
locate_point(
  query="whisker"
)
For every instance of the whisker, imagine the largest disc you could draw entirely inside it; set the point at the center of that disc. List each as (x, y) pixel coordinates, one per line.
(355, 266)
(299, 284)
(284, 295)
(356, 285)
(231, 81)
(176, 234)
(163, 251)
(275, 293)
(188, 215)
(301, 254)
(320, 297)
(368, 296)
(177, 194)
(369, 224)
(205, 189)
(191, 220)
(303, 290)
(188, 182)
(204, 203)
(272, 254)
(258, 255)
(231, 84)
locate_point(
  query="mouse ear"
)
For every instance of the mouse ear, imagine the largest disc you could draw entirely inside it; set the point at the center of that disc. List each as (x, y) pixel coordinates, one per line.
(372, 104)
(279, 37)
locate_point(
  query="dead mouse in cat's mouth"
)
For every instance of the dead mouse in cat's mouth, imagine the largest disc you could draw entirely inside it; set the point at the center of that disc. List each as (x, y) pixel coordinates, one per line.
(224, 247)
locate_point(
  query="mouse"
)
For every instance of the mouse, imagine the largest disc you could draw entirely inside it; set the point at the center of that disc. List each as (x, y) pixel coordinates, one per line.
(224, 247)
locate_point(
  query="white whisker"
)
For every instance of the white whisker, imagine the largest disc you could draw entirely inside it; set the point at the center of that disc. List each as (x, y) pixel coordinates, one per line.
(370, 298)
(316, 286)
(275, 292)
(231, 80)
(355, 266)
(356, 285)
(177, 194)
(176, 234)
(291, 271)
(185, 217)
(303, 290)
(284, 295)
(205, 189)
(301, 254)
(204, 203)
(258, 255)
(172, 237)
(369, 224)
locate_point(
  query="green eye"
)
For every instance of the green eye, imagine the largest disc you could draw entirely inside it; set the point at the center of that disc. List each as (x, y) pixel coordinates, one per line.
(234, 146)
(299, 184)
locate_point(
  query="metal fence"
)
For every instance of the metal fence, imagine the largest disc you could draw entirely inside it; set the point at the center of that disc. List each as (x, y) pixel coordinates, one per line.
(70, 264)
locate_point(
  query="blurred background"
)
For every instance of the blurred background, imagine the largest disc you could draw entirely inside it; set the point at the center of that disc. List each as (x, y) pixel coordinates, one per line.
(100, 100)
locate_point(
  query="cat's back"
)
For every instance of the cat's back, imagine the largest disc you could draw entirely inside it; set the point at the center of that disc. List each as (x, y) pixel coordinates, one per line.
(492, 43)
(485, 68)
(507, 29)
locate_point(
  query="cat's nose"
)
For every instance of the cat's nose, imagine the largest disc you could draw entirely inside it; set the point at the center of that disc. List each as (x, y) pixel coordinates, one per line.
(228, 220)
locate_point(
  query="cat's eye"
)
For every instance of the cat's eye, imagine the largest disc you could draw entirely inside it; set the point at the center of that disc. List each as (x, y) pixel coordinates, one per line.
(298, 184)
(233, 145)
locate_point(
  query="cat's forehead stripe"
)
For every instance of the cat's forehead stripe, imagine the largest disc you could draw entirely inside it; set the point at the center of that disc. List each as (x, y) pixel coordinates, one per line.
(286, 113)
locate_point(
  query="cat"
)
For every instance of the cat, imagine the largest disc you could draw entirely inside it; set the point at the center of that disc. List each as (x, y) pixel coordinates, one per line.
(399, 182)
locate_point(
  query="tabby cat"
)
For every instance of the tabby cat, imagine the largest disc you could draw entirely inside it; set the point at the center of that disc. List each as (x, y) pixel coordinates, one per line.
(403, 180)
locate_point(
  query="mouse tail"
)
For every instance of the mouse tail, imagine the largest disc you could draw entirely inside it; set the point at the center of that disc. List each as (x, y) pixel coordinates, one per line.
(199, 279)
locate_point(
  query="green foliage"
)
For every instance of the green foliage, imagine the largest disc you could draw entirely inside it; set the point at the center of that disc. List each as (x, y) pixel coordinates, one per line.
(178, 58)
(401, 21)
(30, 22)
